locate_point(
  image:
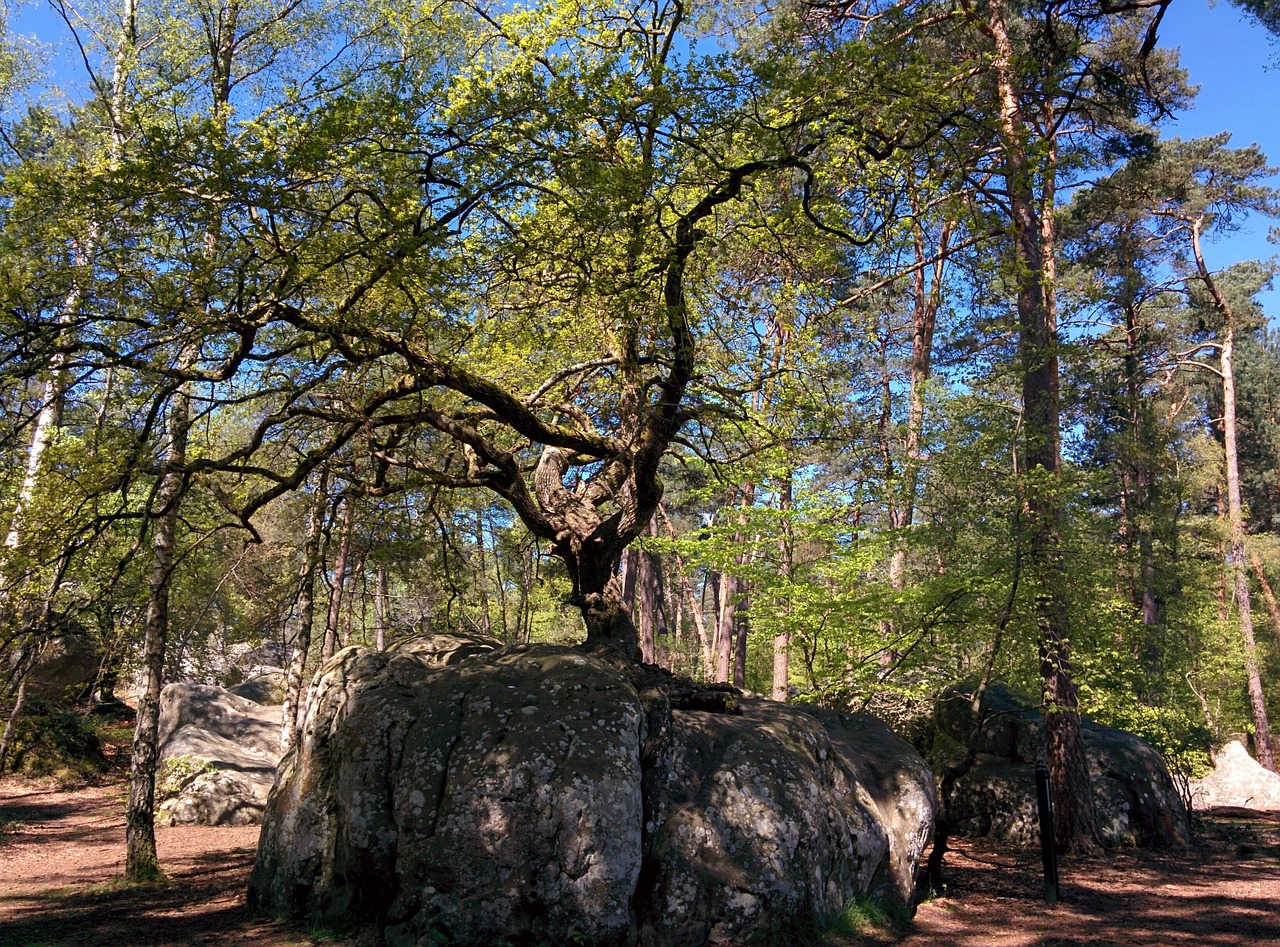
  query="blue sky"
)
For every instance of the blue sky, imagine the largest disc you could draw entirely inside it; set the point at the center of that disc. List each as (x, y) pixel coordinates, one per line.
(1236, 63)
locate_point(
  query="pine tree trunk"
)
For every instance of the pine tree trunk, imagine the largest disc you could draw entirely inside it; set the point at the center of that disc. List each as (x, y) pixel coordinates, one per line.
(781, 678)
(1268, 594)
(1034, 242)
(1235, 516)
(1235, 507)
(381, 605)
(482, 576)
(742, 629)
(726, 615)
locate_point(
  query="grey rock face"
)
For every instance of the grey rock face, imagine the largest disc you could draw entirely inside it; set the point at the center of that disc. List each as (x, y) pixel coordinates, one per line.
(1237, 780)
(237, 737)
(65, 668)
(1136, 799)
(533, 794)
(266, 688)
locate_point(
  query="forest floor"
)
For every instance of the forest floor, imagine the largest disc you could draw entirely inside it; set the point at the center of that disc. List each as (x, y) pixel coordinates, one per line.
(62, 854)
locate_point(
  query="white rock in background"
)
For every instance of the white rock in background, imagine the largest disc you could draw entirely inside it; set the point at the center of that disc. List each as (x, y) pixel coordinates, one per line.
(1237, 780)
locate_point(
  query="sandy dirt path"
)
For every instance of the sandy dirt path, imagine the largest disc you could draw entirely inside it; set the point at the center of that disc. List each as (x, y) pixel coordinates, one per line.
(61, 855)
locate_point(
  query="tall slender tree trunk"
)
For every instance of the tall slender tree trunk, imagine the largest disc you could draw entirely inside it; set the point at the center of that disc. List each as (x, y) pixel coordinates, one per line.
(781, 677)
(482, 575)
(705, 646)
(1034, 242)
(304, 610)
(381, 606)
(25, 658)
(141, 863)
(1137, 500)
(1235, 505)
(1268, 594)
(729, 596)
(742, 630)
(333, 622)
(733, 601)
(927, 295)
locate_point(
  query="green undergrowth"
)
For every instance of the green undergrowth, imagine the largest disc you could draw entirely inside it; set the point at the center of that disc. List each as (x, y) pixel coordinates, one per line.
(330, 929)
(64, 745)
(176, 773)
(861, 920)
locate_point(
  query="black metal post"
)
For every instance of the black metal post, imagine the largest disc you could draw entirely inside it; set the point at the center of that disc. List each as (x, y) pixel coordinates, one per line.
(1044, 800)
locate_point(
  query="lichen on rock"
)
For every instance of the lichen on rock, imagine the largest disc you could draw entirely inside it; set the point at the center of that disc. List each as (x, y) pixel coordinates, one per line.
(538, 793)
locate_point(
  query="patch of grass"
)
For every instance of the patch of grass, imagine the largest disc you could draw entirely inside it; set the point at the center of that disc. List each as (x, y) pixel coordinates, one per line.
(329, 929)
(860, 918)
(864, 916)
(122, 885)
(111, 888)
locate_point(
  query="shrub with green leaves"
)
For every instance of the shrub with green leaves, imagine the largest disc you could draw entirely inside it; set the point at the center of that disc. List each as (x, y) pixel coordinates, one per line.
(176, 773)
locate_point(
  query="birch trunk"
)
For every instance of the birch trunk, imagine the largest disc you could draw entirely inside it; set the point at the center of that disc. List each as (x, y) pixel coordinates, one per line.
(305, 607)
(332, 623)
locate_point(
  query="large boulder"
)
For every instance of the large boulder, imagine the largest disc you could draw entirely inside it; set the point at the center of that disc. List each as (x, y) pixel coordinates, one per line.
(1237, 781)
(526, 794)
(65, 668)
(221, 749)
(1137, 801)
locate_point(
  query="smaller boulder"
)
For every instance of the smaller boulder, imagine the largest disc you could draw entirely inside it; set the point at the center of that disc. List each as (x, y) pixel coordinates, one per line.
(242, 662)
(64, 670)
(1237, 780)
(233, 740)
(1137, 802)
(267, 688)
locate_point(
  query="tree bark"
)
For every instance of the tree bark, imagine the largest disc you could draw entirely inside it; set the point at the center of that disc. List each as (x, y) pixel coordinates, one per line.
(704, 643)
(649, 603)
(1034, 241)
(141, 863)
(1268, 594)
(25, 658)
(927, 296)
(482, 575)
(1235, 504)
(300, 638)
(381, 605)
(781, 677)
(333, 620)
